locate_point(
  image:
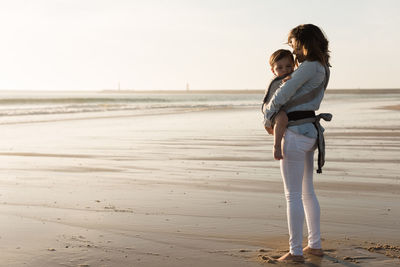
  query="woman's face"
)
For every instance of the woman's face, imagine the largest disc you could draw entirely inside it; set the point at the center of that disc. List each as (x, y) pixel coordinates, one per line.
(297, 50)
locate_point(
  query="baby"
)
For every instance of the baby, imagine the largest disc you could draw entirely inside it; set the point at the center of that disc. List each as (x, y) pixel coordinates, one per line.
(282, 65)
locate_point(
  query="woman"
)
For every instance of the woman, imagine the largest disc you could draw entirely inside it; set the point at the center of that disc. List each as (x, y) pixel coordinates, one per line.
(300, 97)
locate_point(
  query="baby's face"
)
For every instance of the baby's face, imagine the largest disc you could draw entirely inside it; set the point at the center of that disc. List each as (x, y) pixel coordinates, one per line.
(283, 67)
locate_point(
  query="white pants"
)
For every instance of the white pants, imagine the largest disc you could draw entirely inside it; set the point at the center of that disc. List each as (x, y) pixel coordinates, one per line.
(297, 173)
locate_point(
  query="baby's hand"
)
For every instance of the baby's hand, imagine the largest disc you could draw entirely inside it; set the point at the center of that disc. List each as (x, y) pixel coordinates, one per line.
(270, 130)
(286, 78)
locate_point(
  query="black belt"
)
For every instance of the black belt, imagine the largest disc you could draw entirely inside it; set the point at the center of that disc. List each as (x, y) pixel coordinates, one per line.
(299, 115)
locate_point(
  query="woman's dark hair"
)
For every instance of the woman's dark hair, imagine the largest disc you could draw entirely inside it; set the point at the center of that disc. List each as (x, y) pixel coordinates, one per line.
(280, 54)
(312, 41)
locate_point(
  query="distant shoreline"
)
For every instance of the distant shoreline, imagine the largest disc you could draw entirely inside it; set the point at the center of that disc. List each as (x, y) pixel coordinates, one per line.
(220, 91)
(250, 91)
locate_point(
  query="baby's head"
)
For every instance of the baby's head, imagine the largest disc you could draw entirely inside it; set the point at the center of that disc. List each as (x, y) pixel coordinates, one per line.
(282, 62)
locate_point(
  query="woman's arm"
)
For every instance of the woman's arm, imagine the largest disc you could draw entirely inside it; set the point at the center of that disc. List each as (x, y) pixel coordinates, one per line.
(301, 75)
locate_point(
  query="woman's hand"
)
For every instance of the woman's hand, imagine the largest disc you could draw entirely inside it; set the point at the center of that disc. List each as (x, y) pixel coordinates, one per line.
(286, 78)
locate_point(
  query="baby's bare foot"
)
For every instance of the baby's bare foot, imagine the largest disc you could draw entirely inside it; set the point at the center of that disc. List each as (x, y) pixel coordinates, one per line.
(277, 153)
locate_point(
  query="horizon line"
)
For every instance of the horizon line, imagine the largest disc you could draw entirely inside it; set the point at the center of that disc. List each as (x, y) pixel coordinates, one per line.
(184, 90)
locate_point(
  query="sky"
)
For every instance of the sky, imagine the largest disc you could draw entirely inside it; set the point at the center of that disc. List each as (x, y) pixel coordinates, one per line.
(210, 44)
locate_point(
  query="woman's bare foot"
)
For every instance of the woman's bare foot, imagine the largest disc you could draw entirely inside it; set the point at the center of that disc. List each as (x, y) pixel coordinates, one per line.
(291, 258)
(313, 251)
(277, 153)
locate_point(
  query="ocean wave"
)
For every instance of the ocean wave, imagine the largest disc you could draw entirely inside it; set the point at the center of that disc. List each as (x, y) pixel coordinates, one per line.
(101, 108)
(21, 105)
(47, 107)
(33, 101)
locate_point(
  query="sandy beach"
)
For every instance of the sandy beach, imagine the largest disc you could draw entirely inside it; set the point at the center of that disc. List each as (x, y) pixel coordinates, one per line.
(195, 188)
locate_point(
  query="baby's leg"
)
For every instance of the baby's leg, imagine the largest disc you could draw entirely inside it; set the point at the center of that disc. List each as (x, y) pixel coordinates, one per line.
(281, 121)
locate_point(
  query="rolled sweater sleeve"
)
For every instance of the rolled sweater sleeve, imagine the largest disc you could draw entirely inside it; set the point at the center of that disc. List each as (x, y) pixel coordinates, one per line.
(301, 75)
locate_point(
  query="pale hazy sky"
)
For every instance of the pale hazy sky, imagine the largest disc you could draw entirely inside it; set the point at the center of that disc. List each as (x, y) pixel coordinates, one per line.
(212, 44)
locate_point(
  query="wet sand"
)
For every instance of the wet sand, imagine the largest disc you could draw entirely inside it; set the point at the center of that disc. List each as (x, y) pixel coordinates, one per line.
(193, 189)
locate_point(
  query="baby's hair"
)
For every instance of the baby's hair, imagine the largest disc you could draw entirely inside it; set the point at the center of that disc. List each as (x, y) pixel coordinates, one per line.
(280, 54)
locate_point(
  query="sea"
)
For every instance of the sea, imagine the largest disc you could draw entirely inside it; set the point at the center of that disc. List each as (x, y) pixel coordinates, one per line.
(46, 106)
(42, 106)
